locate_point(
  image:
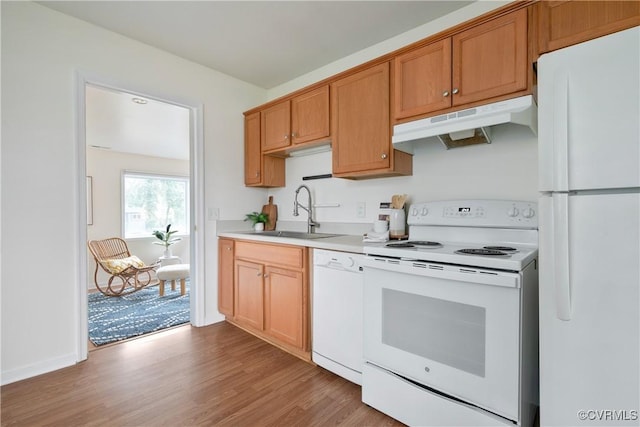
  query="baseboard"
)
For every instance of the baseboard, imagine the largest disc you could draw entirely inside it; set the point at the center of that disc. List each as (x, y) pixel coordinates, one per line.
(39, 368)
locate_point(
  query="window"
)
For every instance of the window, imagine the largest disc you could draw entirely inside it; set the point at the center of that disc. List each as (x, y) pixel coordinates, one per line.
(151, 202)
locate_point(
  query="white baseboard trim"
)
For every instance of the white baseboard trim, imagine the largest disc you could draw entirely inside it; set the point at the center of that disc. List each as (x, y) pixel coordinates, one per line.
(39, 368)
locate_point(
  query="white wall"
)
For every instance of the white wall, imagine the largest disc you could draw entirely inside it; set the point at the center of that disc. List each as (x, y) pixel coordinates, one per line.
(504, 169)
(42, 50)
(106, 167)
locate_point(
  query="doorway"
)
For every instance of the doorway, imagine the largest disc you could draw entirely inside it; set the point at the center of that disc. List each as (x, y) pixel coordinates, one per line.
(112, 130)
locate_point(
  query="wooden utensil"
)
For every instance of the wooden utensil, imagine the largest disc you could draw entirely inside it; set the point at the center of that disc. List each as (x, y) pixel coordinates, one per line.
(271, 210)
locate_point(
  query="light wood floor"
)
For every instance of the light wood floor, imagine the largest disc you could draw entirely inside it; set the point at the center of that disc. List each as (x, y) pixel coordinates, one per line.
(215, 375)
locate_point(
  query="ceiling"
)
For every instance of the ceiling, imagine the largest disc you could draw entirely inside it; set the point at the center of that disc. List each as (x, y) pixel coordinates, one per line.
(265, 43)
(114, 121)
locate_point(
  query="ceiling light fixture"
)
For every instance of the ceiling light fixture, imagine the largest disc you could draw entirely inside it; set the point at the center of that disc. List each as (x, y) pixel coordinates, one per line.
(139, 100)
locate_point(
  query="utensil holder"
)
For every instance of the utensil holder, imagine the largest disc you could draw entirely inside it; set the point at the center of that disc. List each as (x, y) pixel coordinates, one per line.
(396, 223)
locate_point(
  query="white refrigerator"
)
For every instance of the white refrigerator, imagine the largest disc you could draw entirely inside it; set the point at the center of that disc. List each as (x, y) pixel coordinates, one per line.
(589, 179)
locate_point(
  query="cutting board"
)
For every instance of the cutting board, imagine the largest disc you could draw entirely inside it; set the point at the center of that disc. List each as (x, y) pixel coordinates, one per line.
(271, 210)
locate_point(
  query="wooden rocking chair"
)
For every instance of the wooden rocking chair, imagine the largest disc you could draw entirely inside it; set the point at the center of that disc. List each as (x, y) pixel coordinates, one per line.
(128, 273)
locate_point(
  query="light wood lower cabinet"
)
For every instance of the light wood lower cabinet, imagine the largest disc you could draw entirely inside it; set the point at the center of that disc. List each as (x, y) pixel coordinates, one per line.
(283, 305)
(271, 289)
(225, 276)
(249, 294)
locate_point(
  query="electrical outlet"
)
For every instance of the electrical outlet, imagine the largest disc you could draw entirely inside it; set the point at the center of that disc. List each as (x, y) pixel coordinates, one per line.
(361, 209)
(213, 214)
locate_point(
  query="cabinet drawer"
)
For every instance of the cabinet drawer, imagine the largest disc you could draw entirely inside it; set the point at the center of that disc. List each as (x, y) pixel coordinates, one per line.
(292, 256)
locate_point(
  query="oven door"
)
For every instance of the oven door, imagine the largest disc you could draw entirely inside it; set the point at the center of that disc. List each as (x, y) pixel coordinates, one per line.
(451, 328)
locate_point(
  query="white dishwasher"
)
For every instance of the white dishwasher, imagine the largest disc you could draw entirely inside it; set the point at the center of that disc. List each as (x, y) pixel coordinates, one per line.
(337, 313)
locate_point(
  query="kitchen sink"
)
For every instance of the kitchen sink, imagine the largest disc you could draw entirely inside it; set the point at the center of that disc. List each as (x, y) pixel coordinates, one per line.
(297, 234)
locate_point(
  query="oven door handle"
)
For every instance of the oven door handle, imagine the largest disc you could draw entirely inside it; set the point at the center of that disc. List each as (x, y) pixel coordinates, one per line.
(446, 272)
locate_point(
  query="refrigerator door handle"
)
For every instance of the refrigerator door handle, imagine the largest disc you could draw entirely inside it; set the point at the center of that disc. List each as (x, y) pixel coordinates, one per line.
(562, 268)
(561, 133)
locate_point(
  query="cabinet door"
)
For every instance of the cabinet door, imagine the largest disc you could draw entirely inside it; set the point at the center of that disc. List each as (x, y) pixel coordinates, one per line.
(249, 294)
(360, 121)
(422, 80)
(310, 116)
(276, 126)
(225, 277)
(284, 305)
(564, 23)
(252, 153)
(490, 60)
(260, 170)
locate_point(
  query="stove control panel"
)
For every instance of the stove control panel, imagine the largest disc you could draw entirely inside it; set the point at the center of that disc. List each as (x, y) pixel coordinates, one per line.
(475, 213)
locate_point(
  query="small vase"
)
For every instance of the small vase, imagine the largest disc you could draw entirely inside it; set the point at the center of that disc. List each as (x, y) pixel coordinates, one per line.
(259, 226)
(167, 252)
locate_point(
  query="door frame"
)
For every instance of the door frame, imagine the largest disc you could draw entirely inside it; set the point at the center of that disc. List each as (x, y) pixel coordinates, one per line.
(196, 182)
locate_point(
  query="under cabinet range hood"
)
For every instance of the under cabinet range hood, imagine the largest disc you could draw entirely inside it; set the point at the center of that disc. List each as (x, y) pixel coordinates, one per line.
(469, 126)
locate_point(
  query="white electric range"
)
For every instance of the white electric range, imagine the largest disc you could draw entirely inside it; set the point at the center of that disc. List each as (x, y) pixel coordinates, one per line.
(450, 316)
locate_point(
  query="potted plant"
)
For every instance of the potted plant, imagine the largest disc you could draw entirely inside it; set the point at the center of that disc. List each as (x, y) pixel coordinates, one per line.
(258, 220)
(166, 239)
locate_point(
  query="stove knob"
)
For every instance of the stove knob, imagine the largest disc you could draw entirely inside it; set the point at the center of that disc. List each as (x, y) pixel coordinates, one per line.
(425, 211)
(349, 262)
(528, 213)
(414, 212)
(513, 212)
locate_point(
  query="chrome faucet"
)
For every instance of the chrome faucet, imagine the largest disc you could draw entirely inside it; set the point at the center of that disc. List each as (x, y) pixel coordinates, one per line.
(311, 224)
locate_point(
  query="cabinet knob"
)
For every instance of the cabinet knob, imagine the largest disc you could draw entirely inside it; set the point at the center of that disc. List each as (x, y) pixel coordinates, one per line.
(454, 91)
(286, 137)
(228, 248)
(258, 274)
(445, 93)
(266, 275)
(384, 155)
(257, 174)
(294, 135)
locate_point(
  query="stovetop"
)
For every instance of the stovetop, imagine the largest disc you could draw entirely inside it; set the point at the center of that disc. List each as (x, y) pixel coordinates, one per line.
(481, 233)
(447, 253)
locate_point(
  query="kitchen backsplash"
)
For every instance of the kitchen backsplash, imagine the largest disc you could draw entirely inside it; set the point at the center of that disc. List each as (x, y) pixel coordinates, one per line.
(504, 169)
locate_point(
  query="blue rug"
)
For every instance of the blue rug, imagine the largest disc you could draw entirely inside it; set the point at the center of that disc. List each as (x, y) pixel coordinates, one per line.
(114, 319)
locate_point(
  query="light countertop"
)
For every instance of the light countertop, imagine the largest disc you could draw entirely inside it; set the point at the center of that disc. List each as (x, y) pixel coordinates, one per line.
(343, 243)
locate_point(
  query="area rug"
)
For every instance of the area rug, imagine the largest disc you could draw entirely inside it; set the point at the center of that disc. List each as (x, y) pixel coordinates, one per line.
(114, 319)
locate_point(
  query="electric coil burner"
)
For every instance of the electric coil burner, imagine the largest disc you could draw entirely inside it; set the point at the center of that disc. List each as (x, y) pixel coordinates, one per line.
(501, 248)
(483, 252)
(414, 243)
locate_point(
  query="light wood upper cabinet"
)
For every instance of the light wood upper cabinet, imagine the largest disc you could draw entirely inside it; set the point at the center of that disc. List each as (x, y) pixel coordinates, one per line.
(564, 23)
(491, 59)
(361, 128)
(361, 138)
(310, 116)
(421, 77)
(276, 126)
(483, 62)
(301, 120)
(259, 170)
(225, 276)
(252, 153)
